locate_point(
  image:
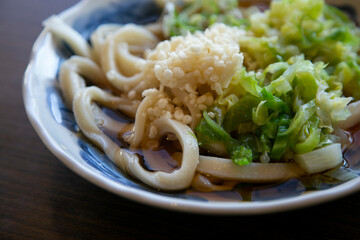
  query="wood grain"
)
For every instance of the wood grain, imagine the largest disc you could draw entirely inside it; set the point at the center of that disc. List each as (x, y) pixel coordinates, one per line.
(42, 199)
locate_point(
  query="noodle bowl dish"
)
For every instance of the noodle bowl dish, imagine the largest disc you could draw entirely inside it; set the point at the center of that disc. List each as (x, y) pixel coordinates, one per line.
(208, 106)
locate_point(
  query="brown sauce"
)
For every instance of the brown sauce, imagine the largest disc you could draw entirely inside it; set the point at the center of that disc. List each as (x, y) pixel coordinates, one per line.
(166, 158)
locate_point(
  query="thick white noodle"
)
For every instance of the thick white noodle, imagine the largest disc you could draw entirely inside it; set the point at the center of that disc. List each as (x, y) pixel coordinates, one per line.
(253, 173)
(156, 28)
(182, 177)
(60, 29)
(119, 50)
(203, 184)
(72, 73)
(99, 36)
(142, 117)
(176, 180)
(83, 107)
(354, 117)
(121, 56)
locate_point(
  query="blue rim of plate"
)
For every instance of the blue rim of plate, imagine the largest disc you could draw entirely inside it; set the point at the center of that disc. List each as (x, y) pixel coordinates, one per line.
(57, 128)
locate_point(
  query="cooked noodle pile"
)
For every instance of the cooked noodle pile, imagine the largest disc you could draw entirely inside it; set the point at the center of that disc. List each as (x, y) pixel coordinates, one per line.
(164, 85)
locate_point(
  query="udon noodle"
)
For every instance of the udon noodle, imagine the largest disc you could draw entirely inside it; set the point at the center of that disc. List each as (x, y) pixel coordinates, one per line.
(163, 84)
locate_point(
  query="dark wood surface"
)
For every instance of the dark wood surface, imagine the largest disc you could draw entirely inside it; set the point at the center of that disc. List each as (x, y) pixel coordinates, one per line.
(40, 198)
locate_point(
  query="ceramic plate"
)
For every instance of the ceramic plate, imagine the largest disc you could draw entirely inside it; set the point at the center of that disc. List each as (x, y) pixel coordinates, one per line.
(57, 128)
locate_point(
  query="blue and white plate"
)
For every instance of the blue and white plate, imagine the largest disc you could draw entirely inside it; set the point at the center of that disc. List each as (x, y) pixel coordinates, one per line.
(57, 128)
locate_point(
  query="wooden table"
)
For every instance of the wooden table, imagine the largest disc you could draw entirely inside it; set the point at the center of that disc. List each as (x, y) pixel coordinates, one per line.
(40, 198)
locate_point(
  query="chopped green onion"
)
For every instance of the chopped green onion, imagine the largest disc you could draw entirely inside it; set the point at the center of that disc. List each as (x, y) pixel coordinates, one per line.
(321, 159)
